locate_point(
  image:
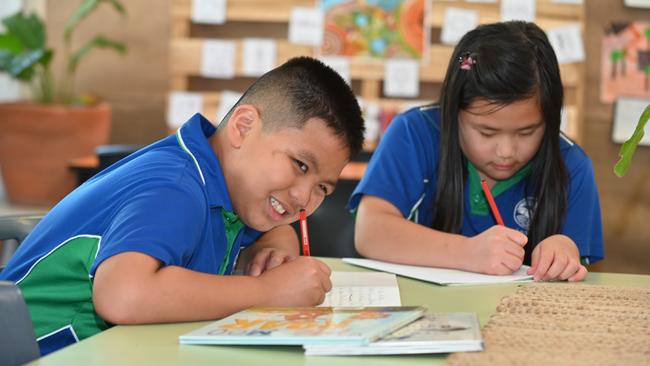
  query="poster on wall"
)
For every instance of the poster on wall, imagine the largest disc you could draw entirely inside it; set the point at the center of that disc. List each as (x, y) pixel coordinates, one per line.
(379, 29)
(625, 61)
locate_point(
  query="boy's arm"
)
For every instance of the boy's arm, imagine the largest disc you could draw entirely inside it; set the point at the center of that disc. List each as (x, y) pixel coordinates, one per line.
(381, 232)
(276, 246)
(134, 288)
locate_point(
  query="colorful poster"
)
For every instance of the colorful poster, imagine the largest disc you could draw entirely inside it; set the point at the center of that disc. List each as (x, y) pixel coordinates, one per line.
(625, 61)
(379, 29)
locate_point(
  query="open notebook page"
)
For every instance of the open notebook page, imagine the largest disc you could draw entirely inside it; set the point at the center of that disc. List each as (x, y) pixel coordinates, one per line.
(441, 276)
(363, 289)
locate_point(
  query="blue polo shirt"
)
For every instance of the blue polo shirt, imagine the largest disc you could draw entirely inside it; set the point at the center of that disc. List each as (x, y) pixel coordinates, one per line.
(404, 171)
(168, 200)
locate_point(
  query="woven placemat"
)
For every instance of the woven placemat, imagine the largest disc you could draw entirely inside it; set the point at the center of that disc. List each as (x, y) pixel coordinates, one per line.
(566, 324)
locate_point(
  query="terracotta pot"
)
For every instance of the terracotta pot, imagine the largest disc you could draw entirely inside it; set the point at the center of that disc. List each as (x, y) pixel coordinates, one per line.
(37, 143)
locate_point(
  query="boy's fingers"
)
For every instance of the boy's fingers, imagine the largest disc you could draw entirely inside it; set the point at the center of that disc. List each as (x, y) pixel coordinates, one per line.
(255, 270)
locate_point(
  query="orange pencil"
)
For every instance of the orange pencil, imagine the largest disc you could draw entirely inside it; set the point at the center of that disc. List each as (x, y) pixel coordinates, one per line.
(493, 205)
(303, 233)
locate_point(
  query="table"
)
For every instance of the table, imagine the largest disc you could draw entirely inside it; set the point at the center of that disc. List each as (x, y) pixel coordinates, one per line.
(158, 344)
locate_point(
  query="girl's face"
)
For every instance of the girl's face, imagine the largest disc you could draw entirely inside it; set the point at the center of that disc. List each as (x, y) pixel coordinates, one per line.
(500, 140)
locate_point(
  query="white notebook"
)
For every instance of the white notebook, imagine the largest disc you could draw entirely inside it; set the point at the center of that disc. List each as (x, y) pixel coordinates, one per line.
(441, 276)
(363, 289)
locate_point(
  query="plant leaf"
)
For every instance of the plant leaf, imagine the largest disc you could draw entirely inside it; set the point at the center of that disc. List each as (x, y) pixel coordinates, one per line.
(629, 147)
(99, 42)
(5, 59)
(118, 7)
(82, 11)
(27, 29)
(22, 65)
(11, 44)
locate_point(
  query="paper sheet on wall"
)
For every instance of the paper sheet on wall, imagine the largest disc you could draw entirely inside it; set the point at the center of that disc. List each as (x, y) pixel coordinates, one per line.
(181, 106)
(306, 26)
(259, 56)
(456, 23)
(518, 10)
(363, 289)
(401, 78)
(626, 116)
(441, 276)
(209, 11)
(218, 59)
(339, 64)
(567, 43)
(227, 100)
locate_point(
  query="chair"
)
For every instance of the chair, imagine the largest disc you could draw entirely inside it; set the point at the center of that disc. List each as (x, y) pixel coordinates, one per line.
(331, 226)
(110, 154)
(13, 230)
(17, 338)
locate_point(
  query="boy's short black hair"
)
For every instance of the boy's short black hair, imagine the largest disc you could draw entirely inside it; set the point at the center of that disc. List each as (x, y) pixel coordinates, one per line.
(304, 88)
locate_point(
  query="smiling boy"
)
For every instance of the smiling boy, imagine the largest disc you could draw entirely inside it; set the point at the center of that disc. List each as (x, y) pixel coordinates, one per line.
(156, 237)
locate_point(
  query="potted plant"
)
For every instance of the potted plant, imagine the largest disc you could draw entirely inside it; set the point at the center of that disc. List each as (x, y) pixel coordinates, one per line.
(39, 138)
(629, 147)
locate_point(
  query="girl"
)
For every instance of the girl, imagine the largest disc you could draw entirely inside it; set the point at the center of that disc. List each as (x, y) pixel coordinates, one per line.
(498, 118)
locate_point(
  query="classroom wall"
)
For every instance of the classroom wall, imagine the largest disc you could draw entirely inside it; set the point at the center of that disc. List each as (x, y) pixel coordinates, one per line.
(136, 85)
(625, 201)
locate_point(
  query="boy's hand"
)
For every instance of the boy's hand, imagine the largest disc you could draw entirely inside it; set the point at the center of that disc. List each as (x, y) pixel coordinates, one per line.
(497, 251)
(266, 259)
(557, 258)
(303, 281)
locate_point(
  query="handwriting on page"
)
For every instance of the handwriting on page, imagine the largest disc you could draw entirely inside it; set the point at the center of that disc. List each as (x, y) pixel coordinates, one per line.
(356, 296)
(363, 289)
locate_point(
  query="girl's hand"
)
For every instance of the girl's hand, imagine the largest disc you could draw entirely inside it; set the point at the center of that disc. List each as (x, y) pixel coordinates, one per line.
(266, 259)
(497, 251)
(557, 258)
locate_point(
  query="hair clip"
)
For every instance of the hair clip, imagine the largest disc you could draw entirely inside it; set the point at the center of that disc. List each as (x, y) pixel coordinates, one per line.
(466, 61)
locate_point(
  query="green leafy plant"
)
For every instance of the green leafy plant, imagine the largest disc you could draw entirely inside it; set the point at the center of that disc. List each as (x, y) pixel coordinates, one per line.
(24, 54)
(629, 147)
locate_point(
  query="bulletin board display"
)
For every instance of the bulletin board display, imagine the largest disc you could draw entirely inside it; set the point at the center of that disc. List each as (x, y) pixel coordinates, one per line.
(213, 60)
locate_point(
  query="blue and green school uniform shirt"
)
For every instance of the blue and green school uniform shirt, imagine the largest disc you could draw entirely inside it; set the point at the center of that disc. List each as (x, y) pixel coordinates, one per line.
(404, 170)
(168, 200)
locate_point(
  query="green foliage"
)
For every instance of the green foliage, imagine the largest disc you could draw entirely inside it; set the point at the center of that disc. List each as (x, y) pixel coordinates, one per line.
(25, 56)
(629, 147)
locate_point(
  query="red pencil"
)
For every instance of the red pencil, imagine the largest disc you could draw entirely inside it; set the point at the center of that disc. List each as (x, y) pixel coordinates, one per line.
(303, 233)
(493, 205)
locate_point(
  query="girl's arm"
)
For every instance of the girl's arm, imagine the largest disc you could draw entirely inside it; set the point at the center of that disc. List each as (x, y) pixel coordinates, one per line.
(381, 232)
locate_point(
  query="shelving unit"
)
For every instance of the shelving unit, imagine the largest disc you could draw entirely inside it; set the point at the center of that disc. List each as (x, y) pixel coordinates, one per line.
(269, 19)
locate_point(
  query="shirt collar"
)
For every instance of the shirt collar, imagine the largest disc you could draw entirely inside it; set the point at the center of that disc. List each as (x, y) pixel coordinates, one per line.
(477, 201)
(192, 137)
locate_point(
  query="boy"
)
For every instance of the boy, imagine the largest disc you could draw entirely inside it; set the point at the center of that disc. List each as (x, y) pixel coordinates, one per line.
(149, 239)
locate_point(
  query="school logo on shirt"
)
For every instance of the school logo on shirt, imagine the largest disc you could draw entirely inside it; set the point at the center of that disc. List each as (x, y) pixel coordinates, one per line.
(521, 213)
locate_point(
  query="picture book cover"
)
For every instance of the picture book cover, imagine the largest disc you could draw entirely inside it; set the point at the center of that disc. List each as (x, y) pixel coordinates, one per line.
(433, 333)
(302, 326)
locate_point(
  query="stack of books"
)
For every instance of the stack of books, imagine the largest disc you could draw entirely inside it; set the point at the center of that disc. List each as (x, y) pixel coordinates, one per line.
(345, 331)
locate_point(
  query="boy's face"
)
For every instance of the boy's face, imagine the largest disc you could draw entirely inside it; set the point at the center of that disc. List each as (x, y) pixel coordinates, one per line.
(274, 174)
(500, 140)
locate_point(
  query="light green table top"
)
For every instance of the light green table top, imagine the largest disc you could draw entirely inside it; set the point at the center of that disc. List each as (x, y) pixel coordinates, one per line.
(158, 344)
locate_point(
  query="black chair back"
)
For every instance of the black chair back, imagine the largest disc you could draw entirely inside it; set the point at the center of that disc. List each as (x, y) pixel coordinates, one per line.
(13, 230)
(17, 338)
(331, 226)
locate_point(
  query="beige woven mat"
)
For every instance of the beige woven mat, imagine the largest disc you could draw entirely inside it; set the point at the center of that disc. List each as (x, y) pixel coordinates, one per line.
(566, 324)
